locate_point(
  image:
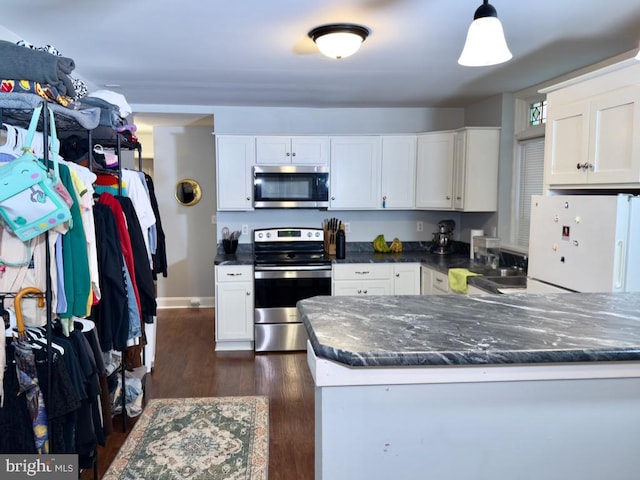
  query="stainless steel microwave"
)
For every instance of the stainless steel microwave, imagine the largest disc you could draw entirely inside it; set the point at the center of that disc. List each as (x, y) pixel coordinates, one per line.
(290, 186)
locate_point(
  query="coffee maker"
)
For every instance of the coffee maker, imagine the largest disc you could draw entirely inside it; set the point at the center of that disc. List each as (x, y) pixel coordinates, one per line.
(442, 241)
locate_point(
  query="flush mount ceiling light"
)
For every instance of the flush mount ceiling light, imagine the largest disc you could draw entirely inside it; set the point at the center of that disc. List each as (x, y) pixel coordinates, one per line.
(485, 43)
(339, 40)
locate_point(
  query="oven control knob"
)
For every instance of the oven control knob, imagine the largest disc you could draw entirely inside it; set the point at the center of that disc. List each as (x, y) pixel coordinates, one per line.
(260, 235)
(268, 234)
(317, 234)
(309, 234)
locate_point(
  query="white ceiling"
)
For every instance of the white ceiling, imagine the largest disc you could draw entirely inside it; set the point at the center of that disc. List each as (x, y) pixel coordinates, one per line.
(257, 53)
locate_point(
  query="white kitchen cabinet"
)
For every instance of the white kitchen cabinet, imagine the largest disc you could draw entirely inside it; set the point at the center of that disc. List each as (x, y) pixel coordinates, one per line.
(434, 282)
(282, 150)
(234, 307)
(362, 279)
(355, 172)
(376, 279)
(406, 279)
(235, 156)
(434, 171)
(425, 280)
(594, 141)
(475, 169)
(397, 189)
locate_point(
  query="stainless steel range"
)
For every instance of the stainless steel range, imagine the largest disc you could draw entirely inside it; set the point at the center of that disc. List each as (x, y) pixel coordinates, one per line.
(289, 265)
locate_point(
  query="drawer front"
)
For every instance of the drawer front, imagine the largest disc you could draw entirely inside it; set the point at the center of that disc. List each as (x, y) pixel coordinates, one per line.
(440, 282)
(238, 273)
(362, 271)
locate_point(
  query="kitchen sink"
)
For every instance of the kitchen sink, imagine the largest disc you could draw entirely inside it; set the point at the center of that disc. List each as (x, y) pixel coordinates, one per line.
(518, 281)
(501, 272)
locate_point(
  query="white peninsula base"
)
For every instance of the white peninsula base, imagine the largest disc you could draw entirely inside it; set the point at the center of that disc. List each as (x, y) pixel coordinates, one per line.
(564, 421)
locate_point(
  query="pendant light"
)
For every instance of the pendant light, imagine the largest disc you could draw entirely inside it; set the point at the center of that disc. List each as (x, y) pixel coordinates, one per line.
(339, 40)
(485, 43)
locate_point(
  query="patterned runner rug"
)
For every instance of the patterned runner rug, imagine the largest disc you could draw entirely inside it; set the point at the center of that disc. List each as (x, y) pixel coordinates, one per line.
(217, 438)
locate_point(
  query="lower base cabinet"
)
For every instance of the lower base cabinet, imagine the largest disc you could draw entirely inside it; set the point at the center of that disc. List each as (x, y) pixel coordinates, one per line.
(234, 307)
(434, 282)
(376, 279)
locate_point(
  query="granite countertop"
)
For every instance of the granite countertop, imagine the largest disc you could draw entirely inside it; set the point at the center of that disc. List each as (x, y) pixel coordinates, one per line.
(474, 329)
(362, 252)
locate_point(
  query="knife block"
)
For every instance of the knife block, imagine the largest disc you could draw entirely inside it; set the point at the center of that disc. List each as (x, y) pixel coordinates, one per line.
(329, 241)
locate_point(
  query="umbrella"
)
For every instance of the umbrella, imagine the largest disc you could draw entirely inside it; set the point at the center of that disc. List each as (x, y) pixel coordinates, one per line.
(28, 377)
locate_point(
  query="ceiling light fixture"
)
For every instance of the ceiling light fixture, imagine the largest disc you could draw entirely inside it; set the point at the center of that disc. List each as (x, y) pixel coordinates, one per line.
(485, 43)
(339, 40)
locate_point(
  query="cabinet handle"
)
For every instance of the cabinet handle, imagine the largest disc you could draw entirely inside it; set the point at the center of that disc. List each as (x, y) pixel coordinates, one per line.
(584, 166)
(458, 198)
(248, 294)
(293, 154)
(365, 292)
(233, 274)
(397, 275)
(333, 198)
(448, 197)
(359, 292)
(362, 273)
(439, 280)
(248, 199)
(288, 154)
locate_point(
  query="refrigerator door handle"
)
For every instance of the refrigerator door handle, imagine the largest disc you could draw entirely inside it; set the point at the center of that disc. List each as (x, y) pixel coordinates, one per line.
(619, 266)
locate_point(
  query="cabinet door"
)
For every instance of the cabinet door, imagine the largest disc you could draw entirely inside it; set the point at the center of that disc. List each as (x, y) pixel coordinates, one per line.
(476, 155)
(234, 311)
(566, 144)
(398, 172)
(272, 150)
(439, 283)
(425, 281)
(235, 156)
(434, 171)
(355, 172)
(406, 279)
(614, 144)
(310, 150)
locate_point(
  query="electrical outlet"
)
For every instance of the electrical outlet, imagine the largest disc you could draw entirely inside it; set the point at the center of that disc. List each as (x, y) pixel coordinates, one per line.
(347, 227)
(245, 229)
(420, 226)
(214, 220)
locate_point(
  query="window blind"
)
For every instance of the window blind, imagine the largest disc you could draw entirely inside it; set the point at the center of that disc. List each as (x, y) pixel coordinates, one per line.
(531, 178)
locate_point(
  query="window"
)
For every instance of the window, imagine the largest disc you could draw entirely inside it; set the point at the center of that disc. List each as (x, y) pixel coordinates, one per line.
(538, 113)
(528, 167)
(530, 174)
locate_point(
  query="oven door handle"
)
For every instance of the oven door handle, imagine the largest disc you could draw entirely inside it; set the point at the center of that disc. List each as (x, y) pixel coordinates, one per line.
(287, 272)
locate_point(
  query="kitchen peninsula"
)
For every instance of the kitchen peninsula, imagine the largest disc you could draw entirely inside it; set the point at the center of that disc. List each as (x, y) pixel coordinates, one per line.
(476, 387)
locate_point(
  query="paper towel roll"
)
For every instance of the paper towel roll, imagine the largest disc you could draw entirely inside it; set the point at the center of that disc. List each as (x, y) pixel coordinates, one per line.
(474, 233)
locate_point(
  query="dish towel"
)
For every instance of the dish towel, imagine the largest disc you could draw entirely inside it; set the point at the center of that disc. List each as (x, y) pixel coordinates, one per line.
(458, 279)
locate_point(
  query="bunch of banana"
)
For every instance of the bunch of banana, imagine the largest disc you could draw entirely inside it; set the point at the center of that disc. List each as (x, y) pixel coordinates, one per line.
(396, 246)
(380, 245)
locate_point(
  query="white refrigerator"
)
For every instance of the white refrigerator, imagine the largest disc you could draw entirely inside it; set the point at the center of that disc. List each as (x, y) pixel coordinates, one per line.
(586, 243)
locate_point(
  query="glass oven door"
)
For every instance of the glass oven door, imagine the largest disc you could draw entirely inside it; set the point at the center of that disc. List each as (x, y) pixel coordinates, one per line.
(276, 292)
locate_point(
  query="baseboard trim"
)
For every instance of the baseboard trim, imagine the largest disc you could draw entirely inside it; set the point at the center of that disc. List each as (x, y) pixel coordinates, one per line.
(185, 302)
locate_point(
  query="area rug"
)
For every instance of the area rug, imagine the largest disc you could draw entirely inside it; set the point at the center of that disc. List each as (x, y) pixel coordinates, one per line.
(217, 438)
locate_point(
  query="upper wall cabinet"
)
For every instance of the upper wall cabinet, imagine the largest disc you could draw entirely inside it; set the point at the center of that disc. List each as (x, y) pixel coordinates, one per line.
(305, 150)
(475, 169)
(355, 172)
(593, 130)
(235, 155)
(434, 178)
(397, 188)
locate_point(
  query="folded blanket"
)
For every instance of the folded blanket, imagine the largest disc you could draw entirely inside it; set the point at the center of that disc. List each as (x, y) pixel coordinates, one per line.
(458, 279)
(86, 117)
(42, 67)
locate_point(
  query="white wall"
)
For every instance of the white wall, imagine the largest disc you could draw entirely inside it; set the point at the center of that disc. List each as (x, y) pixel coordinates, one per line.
(186, 152)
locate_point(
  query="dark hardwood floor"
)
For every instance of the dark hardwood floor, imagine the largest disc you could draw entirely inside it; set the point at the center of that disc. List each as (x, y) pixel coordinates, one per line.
(186, 365)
